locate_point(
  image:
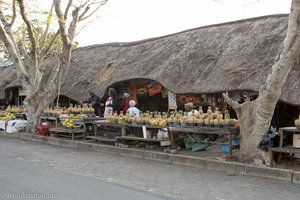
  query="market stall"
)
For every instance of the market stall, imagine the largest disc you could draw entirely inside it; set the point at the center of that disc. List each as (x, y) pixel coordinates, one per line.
(176, 126)
(289, 142)
(11, 120)
(70, 121)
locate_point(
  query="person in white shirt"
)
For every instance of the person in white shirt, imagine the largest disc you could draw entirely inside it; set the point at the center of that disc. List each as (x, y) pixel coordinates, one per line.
(189, 108)
(133, 111)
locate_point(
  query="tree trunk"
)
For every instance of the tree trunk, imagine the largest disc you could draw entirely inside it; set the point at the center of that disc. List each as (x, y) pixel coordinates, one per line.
(255, 116)
(37, 102)
(33, 117)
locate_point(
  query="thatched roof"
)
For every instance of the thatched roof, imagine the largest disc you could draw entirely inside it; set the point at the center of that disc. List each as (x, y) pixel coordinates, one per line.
(7, 76)
(224, 57)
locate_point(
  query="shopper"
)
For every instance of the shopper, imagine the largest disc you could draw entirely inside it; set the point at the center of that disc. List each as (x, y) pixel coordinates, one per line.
(112, 103)
(133, 111)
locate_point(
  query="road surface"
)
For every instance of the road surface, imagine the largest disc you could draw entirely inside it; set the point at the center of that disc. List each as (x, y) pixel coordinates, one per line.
(31, 170)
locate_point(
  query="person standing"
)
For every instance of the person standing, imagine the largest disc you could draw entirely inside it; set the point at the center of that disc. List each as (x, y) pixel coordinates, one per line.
(112, 103)
(133, 111)
(126, 105)
(189, 108)
(94, 101)
(11, 99)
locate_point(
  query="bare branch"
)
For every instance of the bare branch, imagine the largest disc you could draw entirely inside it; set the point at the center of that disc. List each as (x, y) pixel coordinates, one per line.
(61, 22)
(83, 27)
(67, 9)
(48, 47)
(84, 12)
(73, 24)
(29, 28)
(12, 50)
(13, 19)
(47, 27)
(83, 17)
(232, 103)
(87, 3)
(23, 52)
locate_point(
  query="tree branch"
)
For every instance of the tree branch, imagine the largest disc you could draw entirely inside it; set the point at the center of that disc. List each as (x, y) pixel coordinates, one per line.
(23, 52)
(83, 13)
(67, 9)
(83, 17)
(73, 24)
(12, 50)
(61, 22)
(7, 27)
(14, 13)
(47, 27)
(48, 47)
(232, 103)
(3, 18)
(29, 29)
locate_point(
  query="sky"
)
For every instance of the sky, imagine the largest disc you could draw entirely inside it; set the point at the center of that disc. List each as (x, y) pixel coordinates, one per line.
(132, 20)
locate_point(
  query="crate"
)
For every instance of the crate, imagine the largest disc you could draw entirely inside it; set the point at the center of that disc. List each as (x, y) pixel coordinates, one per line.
(225, 148)
(236, 141)
(296, 140)
(44, 130)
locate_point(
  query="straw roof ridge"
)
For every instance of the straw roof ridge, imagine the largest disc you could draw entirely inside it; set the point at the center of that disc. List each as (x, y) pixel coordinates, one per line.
(120, 44)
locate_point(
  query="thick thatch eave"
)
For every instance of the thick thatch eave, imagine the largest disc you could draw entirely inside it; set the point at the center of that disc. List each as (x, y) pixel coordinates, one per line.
(224, 57)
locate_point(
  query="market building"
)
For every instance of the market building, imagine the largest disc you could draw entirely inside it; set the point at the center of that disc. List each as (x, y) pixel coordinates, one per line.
(197, 65)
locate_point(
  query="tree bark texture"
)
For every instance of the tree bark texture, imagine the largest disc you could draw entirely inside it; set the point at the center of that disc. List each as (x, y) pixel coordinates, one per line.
(255, 116)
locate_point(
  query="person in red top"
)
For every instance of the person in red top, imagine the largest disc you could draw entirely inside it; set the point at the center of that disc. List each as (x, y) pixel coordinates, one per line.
(126, 102)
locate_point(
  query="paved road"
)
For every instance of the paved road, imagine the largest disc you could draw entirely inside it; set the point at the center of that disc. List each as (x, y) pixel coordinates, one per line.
(30, 169)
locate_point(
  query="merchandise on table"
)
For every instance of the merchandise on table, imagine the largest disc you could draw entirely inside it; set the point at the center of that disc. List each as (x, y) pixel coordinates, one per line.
(14, 109)
(83, 112)
(7, 117)
(209, 119)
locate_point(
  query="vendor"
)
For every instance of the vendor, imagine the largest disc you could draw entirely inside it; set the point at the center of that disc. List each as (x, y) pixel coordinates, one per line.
(94, 101)
(189, 108)
(11, 99)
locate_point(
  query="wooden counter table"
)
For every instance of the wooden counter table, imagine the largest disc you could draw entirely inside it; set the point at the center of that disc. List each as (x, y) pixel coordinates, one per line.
(284, 149)
(65, 132)
(205, 130)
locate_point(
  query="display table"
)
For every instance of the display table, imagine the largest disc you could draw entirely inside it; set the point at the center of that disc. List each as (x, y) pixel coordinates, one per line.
(189, 131)
(103, 123)
(69, 132)
(146, 138)
(284, 149)
(54, 120)
(123, 138)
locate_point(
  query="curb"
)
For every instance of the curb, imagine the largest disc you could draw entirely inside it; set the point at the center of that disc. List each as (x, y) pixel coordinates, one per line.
(230, 168)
